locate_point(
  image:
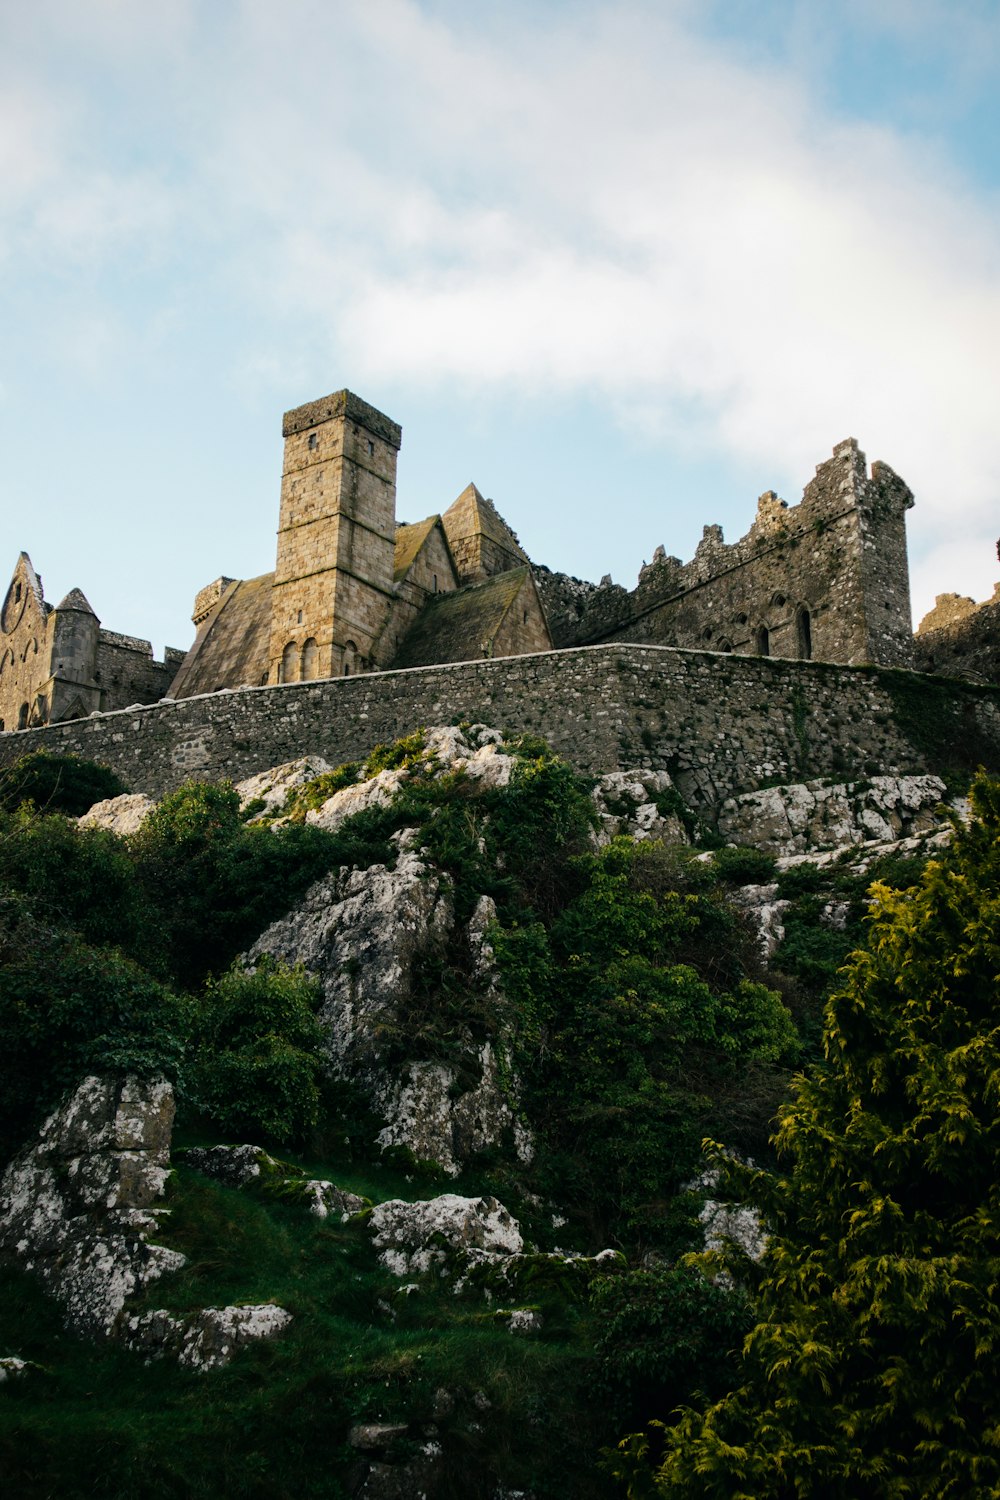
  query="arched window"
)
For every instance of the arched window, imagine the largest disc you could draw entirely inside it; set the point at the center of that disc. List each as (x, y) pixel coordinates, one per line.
(350, 658)
(803, 631)
(22, 717)
(724, 645)
(310, 660)
(763, 641)
(289, 663)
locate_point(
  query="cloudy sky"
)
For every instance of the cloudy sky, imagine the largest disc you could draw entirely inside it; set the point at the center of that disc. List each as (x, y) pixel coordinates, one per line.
(625, 265)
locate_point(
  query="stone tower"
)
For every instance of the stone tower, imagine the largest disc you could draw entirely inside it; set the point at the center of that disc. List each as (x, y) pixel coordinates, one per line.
(333, 580)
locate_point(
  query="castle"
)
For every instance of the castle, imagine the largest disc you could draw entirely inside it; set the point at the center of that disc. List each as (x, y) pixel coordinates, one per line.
(353, 591)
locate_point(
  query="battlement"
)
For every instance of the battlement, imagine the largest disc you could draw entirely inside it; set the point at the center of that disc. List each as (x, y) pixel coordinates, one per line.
(342, 404)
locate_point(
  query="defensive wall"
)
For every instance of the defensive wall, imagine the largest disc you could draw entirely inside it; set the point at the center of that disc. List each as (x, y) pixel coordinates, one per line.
(719, 723)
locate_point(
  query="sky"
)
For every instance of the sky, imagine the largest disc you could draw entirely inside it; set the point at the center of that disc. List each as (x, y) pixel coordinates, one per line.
(624, 265)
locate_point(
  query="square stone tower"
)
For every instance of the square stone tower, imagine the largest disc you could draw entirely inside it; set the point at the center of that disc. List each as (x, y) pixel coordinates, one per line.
(333, 580)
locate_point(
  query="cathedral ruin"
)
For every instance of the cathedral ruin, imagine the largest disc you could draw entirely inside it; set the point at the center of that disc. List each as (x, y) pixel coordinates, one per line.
(354, 591)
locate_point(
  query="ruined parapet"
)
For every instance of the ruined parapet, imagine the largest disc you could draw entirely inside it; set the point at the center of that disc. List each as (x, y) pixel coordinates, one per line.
(206, 599)
(960, 638)
(824, 579)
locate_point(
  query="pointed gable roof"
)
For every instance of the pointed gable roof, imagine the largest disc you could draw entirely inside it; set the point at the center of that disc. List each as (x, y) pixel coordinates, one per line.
(481, 542)
(409, 540)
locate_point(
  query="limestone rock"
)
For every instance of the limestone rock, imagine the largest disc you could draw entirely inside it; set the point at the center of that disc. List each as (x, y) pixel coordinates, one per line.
(818, 815)
(524, 1321)
(360, 931)
(207, 1339)
(377, 791)
(626, 803)
(235, 1166)
(760, 904)
(365, 935)
(413, 1237)
(272, 787)
(738, 1224)
(122, 815)
(75, 1206)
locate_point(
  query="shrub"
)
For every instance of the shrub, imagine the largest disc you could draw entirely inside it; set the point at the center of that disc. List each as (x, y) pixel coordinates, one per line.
(67, 1009)
(216, 882)
(58, 783)
(257, 1054)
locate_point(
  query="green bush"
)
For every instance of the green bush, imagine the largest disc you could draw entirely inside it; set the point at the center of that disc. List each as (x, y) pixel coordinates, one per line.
(256, 1058)
(58, 783)
(216, 882)
(664, 1338)
(634, 1035)
(80, 879)
(739, 865)
(68, 1009)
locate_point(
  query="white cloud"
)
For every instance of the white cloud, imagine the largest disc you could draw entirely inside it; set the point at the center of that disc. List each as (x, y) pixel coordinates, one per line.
(590, 199)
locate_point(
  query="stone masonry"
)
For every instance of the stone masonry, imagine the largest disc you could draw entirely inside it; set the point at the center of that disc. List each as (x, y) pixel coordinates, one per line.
(720, 724)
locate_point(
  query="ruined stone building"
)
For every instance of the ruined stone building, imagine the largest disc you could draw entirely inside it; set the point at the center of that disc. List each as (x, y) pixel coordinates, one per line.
(58, 663)
(353, 590)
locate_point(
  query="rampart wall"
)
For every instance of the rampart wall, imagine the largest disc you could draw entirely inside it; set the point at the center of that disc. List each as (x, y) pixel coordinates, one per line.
(719, 723)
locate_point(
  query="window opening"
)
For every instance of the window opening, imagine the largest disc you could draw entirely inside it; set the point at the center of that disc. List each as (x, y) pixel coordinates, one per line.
(310, 660)
(805, 634)
(763, 641)
(289, 661)
(313, 440)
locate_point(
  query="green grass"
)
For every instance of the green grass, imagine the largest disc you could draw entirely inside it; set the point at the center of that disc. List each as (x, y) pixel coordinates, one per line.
(99, 1421)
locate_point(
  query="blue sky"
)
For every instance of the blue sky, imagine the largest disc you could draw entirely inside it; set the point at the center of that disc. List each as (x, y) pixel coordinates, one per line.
(624, 265)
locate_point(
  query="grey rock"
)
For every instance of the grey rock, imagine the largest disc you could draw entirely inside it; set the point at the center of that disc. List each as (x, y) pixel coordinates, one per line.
(75, 1207)
(122, 815)
(414, 1237)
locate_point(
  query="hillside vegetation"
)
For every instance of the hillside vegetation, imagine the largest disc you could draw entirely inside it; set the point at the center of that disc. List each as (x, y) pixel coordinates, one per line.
(626, 1015)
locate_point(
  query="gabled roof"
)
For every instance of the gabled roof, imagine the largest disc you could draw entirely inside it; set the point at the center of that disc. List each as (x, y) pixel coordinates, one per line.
(473, 515)
(232, 644)
(409, 540)
(461, 625)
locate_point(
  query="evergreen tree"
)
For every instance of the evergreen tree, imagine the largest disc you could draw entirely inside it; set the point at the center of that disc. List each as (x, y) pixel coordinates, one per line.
(873, 1368)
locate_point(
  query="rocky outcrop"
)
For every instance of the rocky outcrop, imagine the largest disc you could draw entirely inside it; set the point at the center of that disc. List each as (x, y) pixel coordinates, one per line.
(361, 933)
(266, 792)
(76, 1206)
(208, 1339)
(76, 1209)
(412, 1238)
(122, 815)
(252, 1167)
(818, 815)
(372, 937)
(638, 805)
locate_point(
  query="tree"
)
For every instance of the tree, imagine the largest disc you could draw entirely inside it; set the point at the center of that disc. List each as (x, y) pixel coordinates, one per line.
(872, 1370)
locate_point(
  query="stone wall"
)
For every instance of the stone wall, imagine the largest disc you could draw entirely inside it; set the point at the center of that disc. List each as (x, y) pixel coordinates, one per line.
(719, 724)
(960, 638)
(826, 579)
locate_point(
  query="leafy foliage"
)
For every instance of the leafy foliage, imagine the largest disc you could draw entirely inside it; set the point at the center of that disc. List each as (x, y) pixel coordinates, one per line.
(256, 1053)
(641, 1027)
(871, 1370)
(57, 783)
(68, 1009)
(664, 1335)
(216, 882)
